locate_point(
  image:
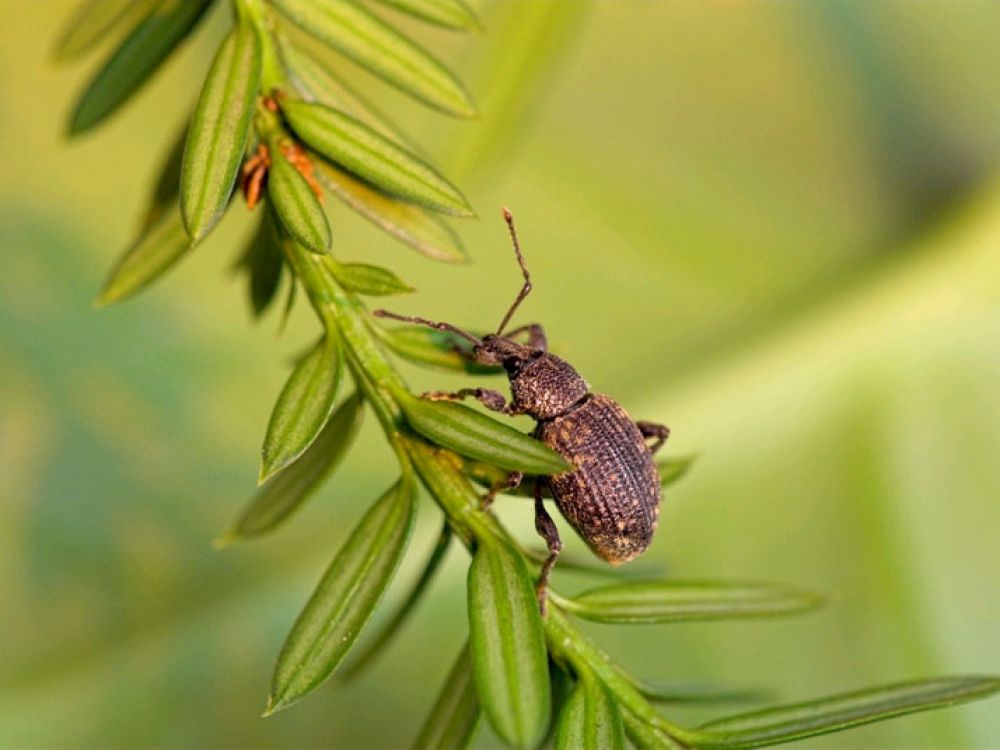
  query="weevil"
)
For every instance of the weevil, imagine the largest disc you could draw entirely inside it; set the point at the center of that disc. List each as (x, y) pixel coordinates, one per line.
(612, 495)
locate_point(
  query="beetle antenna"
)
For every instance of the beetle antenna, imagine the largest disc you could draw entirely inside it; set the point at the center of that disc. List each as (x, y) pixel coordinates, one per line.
(524, 269)
(429, 323)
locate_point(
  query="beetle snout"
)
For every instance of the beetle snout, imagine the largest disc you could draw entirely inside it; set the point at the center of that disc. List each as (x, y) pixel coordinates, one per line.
(486, 353)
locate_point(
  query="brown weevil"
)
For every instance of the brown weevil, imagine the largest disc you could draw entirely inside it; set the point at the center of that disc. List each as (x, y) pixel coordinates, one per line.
(612, 496)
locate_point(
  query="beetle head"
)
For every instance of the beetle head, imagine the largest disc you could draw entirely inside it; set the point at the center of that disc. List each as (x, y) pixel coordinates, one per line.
(497, 350)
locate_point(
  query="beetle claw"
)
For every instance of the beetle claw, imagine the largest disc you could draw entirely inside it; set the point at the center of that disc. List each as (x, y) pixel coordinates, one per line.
(512, 481)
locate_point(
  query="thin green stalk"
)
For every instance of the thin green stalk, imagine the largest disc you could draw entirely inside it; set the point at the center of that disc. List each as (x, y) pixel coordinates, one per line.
(571, 646)
(382, 384)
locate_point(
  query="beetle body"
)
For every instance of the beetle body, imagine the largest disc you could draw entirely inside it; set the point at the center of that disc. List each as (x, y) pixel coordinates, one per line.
(612, 498)
(612, 495)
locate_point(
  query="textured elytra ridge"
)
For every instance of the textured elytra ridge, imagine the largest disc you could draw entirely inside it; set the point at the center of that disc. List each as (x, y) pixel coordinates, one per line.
(612, 499)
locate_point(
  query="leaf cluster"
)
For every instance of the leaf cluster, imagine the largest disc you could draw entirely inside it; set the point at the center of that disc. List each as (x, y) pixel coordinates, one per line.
(277, 121)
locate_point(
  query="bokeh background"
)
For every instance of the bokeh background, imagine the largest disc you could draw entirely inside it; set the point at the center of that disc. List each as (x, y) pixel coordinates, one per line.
(772, 225)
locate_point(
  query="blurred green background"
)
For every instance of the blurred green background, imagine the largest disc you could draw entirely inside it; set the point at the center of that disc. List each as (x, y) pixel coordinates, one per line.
(773, 226)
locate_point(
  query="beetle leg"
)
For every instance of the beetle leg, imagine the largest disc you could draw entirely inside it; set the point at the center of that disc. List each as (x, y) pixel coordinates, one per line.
(512, 481)
(653, 430)
(548, 530)
(536, 336)
(493, 400)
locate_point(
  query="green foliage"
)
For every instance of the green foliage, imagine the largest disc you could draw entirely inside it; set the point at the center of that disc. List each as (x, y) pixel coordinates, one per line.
(683, 601)
(473, 434)
(451, 14)
(295, 203)
(508, 647)
(313, 132)
(151, 41)
(314, 80)
(263, 263)
(219, 130)
(354, 32)
(372, 281)
(283, 493)
(372, 157)
(303, 407)
(437, 349)
(454, 718)
(800, 720)
(94, 22)
(673, 469)
(377, 644)
(345, 598)
(157, 249)
(409, 224)
(590, 719)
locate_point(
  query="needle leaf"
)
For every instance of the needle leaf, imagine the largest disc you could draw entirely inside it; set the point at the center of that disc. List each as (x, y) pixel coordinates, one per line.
(220, 129)
(345, 598)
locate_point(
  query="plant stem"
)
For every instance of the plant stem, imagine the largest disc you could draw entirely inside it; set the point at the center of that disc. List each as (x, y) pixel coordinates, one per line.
(442, 473)
(567, 643)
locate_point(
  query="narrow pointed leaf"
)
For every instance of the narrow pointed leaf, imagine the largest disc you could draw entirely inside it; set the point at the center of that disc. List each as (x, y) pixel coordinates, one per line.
(450, 14)
(693, 693)
(561, 685)
(345, 598)
(286, 311)
(439, 349)
(645, 736)
(264, 263)
(370, 280)
(673, 469)
(683, 601)
(796, 721)
(264, 279)
(402, 613)
(296, 204)
(412, 225)
(284, 493)
(314, 81)
(219, 130)
(473, 434)
(163, 197)
(158, 248)
(162, 240)
(508, 646)
(588, 564)
(361, 150)
(454, 719)
(590, 720)
(94, 22)
(303, 407)
(356, 33)
(135, 59)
